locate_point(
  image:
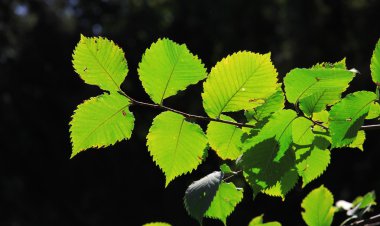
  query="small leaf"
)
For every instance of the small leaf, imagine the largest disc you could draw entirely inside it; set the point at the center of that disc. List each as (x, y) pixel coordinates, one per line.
(374, 111)
(324, 85)
(157, 224)
(358, 141)
(273, 103)
(375, 64)
(365, 201)
(225, 139)
(224, 202)
(167, 67)
(347, 116)
(258, 221)
(200, 194)
(100, 62)
(225, 169)
(177, 146)
(318, 206)
(241, 81)
(101, 121)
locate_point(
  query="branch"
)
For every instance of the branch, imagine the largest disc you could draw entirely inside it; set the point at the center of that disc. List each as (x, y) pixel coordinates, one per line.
(372, 221)
(187, 115)
(204, 118)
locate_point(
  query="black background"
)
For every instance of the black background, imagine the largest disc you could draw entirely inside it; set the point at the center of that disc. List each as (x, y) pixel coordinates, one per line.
(121, 185)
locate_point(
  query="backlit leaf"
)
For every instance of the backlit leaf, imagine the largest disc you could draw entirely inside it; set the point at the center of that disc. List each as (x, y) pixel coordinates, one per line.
(224, 202)
(100, 62)
(177, 146)
(225, 139)
(358, 141)
(318, 206)
(200, 194)
(283, 186)
(319, 87)
(241, 81)
(375, 64)
(101, 121)
(157, 224)
(347, 116)
(167, 67)
(258, 221)
(374, 111)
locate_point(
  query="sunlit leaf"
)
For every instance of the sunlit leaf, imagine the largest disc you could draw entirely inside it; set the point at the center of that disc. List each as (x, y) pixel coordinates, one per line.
(225, 139)
(283, 186)
(241, 81)
(200, 194)
(177, 146)
(101, 121)
(347, 116)
(340, 64)
(358, 141)
(224, 202)
(157, 224)
(374, 111)
(167, 67)
(318, 206)
(375, 64)
(258, 221)
(225, 168)
(100, 62)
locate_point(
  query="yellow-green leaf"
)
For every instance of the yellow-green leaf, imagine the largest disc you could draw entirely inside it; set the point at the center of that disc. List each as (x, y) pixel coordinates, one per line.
(100, 62)
(101, 121)
(375, 64)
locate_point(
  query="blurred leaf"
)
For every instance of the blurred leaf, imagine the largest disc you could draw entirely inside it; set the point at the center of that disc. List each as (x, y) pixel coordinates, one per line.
(258, 221)
(375, 64)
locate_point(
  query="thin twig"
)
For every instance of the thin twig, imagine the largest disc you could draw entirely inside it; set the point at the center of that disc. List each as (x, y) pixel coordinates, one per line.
(204, 118)
(232, 175)
(372, 221)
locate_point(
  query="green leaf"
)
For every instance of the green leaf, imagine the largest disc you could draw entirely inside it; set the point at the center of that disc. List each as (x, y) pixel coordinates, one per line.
(225, 139)
(225, 168)
(167, 67)
(374, 111)
(347, 116)
(358, 141)
(258, 221)
(273, 103)
(241, 81)
(177, 146)
(100, 62)
(282, 121)
(157, 224)
(261, 169)
(312, 156)
(101, 121)
(200, 194)
(316, 87)
(283, 186)
(224, 202)
(365, 201)
(340, 64)
(375, 64)
(318, 206)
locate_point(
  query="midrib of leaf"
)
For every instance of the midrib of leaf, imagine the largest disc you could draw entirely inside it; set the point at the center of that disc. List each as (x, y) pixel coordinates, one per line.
(176, 145)
(229, 141)
(319, 98)
(170, 76)
(102, 123)
(303, 92)
(282, 133)
(248, 77)
(358, 110)
(101, 65)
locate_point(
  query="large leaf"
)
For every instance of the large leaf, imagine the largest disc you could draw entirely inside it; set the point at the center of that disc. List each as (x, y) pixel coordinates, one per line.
(316, 87)
(177, 146)
(200, 194)
(258, 221)
(224, 202)
(101, 121)
(100, 62)
(167, 67)
(261, 169)
(375, 64)
(312, 156)
(318, 206)
(283, 186)
(241, 81)
(225, 139)
(272, 104)
(347, 116)
(282, 122)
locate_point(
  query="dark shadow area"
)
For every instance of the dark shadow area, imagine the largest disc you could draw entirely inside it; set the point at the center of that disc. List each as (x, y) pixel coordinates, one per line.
(121, 185)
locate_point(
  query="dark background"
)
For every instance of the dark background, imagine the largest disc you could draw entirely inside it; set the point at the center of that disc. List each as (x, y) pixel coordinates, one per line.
(121, 185)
